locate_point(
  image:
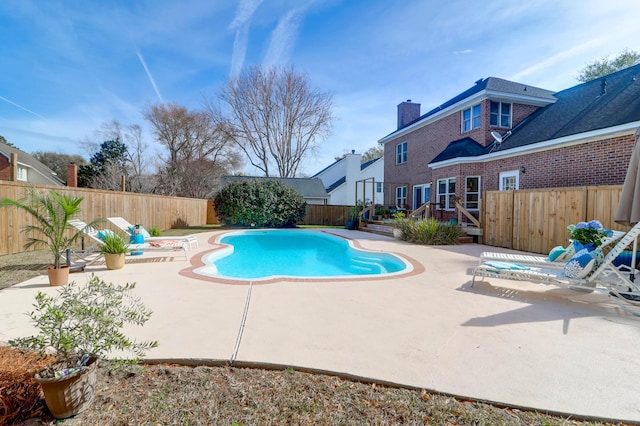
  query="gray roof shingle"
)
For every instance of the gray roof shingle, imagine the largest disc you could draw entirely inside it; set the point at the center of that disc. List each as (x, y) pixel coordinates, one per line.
(608, 101)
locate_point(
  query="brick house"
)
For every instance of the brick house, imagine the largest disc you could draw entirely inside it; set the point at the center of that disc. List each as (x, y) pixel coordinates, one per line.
(17, 165)
(502, 135)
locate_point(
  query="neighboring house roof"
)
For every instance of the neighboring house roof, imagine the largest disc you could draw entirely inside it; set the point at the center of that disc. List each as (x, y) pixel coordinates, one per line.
(490, 86)
(307, 187)
(343, 178)
(328, 167)
(608, 101)
(466, 147)
(336, 184)
(29, 161)
(368, 163)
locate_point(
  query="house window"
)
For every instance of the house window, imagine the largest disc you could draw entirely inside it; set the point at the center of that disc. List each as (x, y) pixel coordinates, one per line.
(446, 193)
(471, 118)
(509, 181)
(472, 193)
(22, 174)
(401, 153)
(500, 114)
(378, 187)
(401, 197)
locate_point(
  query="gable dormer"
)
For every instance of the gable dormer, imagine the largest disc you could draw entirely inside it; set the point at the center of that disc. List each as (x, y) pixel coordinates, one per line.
(490, 104)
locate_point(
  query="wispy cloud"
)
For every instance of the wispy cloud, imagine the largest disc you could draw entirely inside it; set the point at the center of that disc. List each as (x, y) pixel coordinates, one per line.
(239, 50)
(241, 23)
(552, 60)
(462, 52)
(284, 36)
(21, 107)
(146, 69)
(244, 12)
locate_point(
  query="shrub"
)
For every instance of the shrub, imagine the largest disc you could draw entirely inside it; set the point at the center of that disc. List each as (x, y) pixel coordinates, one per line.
(82, 320)
(430, 232)
(260, 202)
(154, 231)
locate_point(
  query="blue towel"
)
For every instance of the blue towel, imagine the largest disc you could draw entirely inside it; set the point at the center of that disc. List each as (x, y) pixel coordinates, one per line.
(506, 265)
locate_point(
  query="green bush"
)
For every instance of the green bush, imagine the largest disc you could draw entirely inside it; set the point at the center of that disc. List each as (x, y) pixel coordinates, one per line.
(154, 231)
(88, 319)
(259, 202)
(429, 232)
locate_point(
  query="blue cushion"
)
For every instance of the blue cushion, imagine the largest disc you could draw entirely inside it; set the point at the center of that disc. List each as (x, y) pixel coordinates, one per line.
(580, 264)
(556, 253)
(578, 246)
(102, 234)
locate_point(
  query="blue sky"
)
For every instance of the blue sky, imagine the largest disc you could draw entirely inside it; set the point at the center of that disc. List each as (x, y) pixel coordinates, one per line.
(67, 66)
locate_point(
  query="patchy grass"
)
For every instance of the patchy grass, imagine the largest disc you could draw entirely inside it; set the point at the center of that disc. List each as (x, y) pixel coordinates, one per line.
(16, 268)
(174, 394)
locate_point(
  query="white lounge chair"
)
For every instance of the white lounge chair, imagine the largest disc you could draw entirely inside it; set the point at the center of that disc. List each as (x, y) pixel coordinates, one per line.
(163, 246)
(541, 261)
(126, 227)
(605, 277)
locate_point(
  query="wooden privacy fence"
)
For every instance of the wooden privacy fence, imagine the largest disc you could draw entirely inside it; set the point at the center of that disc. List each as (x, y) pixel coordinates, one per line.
(536, 220)
(148, 210)
(318, 214)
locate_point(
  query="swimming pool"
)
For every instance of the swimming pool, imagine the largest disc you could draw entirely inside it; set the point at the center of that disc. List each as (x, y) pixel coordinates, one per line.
(268, 254)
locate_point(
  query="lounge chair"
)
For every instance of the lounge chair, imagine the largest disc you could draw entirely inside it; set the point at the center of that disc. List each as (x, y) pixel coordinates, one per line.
(127, 227)
(541, 261)
(605, 277)
(159, 246)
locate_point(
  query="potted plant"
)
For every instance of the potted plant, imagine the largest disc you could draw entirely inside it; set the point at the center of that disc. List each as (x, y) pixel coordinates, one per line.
(353, 218)
(79, 325)
(114, 247)
(51, 212)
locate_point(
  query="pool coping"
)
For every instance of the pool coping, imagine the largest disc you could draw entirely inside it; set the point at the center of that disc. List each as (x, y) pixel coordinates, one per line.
(197, 262)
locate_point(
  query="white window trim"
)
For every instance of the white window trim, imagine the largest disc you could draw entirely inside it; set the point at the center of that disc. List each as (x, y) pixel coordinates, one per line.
(511, 173)
(479, 192)
(448, 195)
(401, 205)
(500, 114)
(22, 174)
(403, 154)
(422, 187)
(471, 118)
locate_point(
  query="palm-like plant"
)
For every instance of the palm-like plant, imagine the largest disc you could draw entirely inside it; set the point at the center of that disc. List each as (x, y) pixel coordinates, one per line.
(51, 213)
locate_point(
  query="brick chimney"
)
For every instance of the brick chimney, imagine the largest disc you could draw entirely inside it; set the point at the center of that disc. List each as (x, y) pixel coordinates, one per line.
(407, 112)
(72, 175)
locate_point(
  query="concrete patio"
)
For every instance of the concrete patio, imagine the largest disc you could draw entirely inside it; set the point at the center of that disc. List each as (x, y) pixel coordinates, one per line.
(516, 343)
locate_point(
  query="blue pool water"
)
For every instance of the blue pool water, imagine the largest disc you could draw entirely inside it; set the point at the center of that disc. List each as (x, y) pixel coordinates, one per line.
(263, 254)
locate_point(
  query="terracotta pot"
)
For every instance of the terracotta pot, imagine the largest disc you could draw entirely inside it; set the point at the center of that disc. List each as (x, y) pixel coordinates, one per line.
(69, 395)
(114, 260)
(59, 276)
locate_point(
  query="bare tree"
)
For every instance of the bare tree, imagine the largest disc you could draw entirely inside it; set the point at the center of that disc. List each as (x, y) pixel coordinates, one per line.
(274, 116)
(197, 152)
